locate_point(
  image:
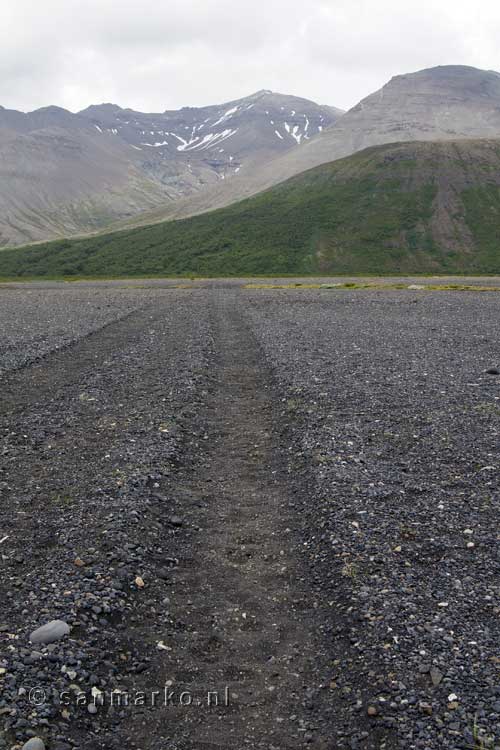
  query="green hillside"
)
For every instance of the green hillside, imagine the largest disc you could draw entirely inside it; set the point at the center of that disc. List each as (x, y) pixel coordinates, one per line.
(402, 208)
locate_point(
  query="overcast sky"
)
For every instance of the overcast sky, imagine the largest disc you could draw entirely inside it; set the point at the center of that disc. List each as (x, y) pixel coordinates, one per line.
(174, 53)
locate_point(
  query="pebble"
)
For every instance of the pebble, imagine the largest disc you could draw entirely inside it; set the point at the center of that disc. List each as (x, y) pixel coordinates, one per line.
(52, 631)
(436, 676)
(176, 521)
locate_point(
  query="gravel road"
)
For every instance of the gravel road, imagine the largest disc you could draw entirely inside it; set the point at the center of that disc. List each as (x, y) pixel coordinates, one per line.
(268, 517)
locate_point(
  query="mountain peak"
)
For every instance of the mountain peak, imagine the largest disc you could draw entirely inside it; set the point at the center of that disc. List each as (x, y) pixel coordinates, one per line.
(51, 109)
(260, 93)
(105, 108)
(448, 77)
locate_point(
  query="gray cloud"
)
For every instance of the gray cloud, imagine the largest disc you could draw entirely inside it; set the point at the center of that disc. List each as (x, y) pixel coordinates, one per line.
(74, 53)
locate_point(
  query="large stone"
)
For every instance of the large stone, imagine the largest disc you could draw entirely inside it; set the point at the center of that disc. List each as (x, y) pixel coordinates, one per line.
(52, 631)
(35, 743)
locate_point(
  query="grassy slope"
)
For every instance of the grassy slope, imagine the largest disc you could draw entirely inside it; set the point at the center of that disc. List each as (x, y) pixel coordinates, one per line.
(416, 207)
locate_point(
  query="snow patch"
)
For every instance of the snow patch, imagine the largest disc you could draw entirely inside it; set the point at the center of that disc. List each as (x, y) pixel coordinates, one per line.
(208, 141)
(226, 116)
(156, 145)
(296, 134)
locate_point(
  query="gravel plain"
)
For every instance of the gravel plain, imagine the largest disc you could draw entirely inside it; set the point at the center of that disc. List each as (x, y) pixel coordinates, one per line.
(389, 401)
(39, 319)
(359, 430)
(87, 434)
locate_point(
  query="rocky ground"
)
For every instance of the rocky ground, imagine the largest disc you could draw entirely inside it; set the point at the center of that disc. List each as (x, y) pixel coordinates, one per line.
(278, 506)
(39, 319)
(401, 423)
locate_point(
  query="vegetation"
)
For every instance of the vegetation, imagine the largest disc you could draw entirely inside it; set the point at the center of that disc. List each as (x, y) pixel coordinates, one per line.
(402, 208)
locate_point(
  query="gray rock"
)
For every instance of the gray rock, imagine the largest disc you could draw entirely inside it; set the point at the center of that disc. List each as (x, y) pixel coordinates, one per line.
(52, 631)
(35, 743)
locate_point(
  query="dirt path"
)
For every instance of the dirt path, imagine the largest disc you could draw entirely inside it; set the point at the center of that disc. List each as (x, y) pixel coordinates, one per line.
(240, 622)
(203, 508)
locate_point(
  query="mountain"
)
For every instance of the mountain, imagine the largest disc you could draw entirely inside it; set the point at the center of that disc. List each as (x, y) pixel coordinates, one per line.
(59, 177)
(442, 103)
(108, 168)
(412, 207)
(64, 173)
(226, 137)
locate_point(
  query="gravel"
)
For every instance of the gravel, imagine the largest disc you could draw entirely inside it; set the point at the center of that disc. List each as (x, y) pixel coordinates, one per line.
(36, 321)
(388, 408)
(86, 438)
(394, 422)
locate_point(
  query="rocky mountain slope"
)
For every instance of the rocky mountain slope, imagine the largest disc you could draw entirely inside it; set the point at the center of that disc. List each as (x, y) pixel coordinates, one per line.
(442, 103)
(414, 207)
(63, 174)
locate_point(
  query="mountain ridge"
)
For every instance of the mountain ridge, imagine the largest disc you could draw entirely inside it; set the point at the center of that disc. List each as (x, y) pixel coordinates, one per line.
(51, 186)
(411, 207)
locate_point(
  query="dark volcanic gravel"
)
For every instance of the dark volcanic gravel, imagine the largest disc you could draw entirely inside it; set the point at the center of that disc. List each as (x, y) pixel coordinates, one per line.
(36, 320)
(83, 451)
(389, 404)
(294, 492)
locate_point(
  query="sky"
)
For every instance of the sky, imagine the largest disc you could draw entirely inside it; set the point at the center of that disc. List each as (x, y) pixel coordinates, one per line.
(175, 53)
